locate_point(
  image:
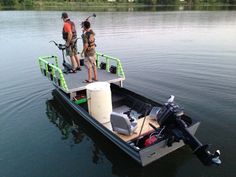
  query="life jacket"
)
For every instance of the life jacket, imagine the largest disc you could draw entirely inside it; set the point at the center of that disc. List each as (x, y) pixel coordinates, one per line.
(91, 39)
(65, 34)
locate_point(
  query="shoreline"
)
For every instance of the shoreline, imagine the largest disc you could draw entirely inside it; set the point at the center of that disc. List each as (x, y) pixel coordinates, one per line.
(88, 6)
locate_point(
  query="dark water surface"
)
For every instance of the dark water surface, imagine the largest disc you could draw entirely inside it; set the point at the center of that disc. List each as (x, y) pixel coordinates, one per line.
(190, 54)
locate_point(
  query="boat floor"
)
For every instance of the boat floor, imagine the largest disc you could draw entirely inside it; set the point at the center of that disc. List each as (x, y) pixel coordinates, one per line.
(75, 80)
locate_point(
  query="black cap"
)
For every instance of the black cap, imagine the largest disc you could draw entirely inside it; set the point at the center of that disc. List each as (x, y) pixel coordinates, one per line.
(64, 15)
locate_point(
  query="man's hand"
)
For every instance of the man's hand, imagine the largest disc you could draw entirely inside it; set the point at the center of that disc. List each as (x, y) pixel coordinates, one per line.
(67, 44)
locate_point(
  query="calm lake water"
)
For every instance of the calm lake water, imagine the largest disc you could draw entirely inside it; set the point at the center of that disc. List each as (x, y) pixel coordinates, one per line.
(190, 54)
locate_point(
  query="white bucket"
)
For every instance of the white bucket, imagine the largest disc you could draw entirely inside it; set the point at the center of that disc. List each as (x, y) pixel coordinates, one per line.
(99, 101)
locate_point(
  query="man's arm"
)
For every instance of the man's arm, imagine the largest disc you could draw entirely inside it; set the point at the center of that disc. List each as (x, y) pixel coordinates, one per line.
(69, 38)
(85, 44)
(68, 30)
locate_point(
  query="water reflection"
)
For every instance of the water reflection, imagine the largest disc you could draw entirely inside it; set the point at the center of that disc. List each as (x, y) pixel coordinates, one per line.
(69, 126)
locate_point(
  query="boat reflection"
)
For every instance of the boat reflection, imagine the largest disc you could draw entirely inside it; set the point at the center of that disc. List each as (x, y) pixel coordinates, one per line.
(62, 121)
(65, 121)
(71, 125)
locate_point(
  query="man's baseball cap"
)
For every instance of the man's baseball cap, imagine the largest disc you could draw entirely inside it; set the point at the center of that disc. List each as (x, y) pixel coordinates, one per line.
(64, 15)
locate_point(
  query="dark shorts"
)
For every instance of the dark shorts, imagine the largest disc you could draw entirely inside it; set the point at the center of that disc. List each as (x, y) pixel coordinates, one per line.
(72, 50)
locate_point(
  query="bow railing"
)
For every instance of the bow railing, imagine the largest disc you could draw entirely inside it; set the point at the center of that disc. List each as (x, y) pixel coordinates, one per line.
(52, 71)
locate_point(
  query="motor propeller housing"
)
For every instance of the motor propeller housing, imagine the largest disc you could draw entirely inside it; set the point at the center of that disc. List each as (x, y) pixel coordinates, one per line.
(170, 118)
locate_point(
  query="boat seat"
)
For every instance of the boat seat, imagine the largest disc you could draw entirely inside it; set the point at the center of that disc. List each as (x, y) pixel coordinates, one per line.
(121, 124)
(132, 114)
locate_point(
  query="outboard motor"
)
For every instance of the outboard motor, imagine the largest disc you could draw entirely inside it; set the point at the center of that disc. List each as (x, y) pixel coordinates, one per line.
(170, 118)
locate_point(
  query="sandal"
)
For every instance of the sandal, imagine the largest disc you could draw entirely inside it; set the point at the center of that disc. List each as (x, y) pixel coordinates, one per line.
(72, 71)
(94, 79)
(87, 81)
(78, 68)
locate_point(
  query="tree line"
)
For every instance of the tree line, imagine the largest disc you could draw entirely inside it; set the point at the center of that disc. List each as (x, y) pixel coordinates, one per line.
(145, 2)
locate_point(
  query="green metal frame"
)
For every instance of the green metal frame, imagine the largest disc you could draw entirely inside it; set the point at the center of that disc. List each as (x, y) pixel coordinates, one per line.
(54, 70)
(119, 72)
(50, 68)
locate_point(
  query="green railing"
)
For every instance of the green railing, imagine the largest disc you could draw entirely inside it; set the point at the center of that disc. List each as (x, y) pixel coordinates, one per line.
(108, 59)
(50, 68)
(52, 71)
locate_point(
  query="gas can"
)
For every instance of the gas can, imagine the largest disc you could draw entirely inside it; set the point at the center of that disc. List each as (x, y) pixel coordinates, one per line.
(150, 141)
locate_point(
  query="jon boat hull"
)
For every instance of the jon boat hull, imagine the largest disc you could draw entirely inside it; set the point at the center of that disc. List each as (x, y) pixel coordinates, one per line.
(143, 156)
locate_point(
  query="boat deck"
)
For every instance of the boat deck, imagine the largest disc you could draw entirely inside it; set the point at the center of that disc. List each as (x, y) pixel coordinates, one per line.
(75, 80)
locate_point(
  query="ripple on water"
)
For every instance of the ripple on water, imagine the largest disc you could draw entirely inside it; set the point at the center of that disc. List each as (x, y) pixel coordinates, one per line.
(21, 96)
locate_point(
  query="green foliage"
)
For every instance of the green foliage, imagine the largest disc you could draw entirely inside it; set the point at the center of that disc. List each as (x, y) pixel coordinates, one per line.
(29, 2)
(9, 2)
